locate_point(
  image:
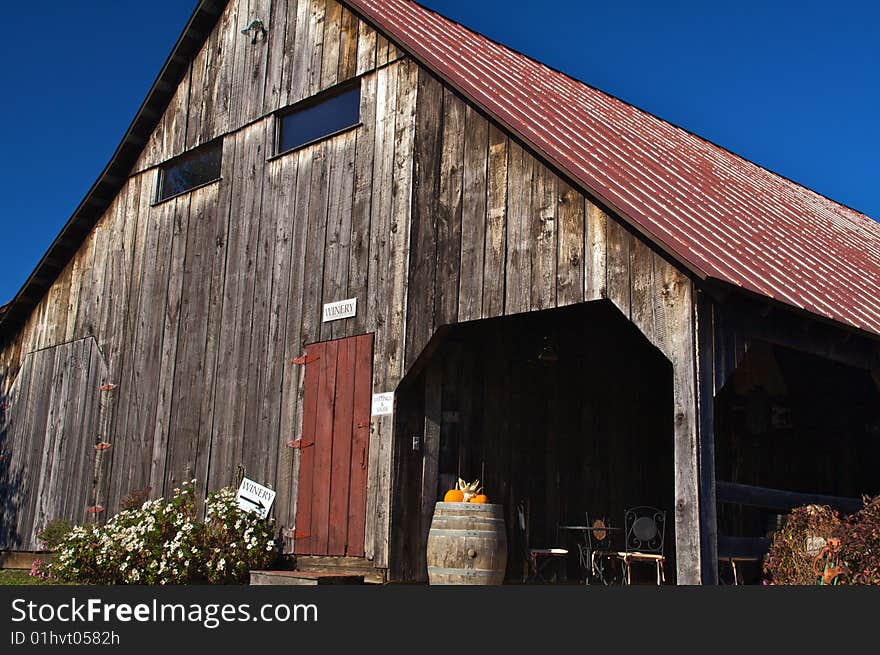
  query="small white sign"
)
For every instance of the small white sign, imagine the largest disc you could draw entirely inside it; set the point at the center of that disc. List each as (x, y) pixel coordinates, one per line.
(254, 497)
(383, 404)
(343, 309)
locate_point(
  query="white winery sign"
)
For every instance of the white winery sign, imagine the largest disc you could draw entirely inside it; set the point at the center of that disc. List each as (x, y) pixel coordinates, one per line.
(343, 309)
(254, 497)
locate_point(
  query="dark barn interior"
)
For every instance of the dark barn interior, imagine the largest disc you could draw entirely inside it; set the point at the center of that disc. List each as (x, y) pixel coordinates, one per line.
(567, 411)
(792, 422)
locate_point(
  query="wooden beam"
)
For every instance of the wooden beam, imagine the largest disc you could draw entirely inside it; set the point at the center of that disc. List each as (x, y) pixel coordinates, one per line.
(430, 455)
(752, 496)
(743, 547)
(706, 422)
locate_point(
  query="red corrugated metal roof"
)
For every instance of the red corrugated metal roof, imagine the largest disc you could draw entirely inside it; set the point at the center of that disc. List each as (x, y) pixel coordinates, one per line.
(716, 213)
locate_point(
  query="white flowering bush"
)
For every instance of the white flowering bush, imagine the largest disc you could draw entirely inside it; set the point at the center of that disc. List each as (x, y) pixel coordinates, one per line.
(163, 542)
(237, 541)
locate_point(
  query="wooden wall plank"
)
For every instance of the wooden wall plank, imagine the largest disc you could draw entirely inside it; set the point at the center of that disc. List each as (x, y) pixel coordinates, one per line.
(161, 433)
(643, 288)
(518, 273)
(618, 272)
(542, 223)
(366, 50)
(292, 417)
(348, 45)
(282, 33)
(260, 462)
(390, 332)
(495, 260)
(197, 315)
(357, 508)
(338, 239)
(425, 210)
(304, 542)
(473, 215)
(316, 46)
(280, 193)
(332, 35)
(595, 283)
(571, 240)
(341, 454)
(234, 372)
(319, 498)
(449, 211)
(361, 210)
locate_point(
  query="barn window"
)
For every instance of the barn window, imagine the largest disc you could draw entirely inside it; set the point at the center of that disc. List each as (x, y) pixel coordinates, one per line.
(190, 171)
(317, 118)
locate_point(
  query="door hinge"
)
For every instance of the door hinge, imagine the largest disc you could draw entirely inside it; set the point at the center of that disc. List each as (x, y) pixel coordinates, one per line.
(300, 443)
(305, 359)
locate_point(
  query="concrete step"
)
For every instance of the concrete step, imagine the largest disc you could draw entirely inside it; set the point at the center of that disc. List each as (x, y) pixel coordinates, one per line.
(304, 578)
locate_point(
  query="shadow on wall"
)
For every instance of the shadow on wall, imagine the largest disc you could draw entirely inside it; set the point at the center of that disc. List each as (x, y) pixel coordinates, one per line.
(11, 480)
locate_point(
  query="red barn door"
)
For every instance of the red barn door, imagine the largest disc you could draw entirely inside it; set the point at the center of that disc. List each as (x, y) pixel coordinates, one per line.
(331, 504)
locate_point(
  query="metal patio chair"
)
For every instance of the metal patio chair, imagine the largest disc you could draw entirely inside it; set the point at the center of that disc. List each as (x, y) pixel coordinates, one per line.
(544, 564)
(645, 531)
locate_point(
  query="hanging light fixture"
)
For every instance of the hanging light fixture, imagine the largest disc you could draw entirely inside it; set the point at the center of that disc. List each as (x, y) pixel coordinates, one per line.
(548, 355)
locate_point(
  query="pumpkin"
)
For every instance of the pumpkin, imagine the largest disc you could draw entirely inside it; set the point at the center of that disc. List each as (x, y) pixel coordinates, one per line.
(453, 496)
(479, 498)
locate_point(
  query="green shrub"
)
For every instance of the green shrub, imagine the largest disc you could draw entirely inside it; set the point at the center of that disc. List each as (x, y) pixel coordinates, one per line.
(163, 542)
(53, 534)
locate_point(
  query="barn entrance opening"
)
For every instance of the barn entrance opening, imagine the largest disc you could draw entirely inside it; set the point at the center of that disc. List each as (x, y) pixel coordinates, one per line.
(569, 411)
(790, 429)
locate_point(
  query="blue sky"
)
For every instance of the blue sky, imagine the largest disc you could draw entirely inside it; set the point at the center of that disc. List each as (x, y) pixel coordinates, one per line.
(792, 86)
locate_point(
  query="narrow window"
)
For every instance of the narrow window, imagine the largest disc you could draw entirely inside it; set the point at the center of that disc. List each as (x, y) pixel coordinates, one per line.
(320, 117)
(190, 170)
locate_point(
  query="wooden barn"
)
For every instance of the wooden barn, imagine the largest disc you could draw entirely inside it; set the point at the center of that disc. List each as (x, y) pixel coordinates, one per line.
(355, 250)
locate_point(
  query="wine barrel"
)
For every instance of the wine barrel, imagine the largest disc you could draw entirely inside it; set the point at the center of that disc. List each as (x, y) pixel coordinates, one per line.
(467, 544)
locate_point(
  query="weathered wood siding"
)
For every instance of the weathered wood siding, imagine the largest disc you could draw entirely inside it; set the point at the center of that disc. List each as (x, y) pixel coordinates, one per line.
(428, 213)
(199, 303)
(49, 428)
(496, 232)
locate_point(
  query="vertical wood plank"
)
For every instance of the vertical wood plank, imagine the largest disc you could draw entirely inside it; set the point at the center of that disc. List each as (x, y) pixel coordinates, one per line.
(313, 374)
(426, 189)
(341, 458)
(571, 240)
(595, 284)
(676, 291)
(281, 27)
(495, 260)
(449, 211)
(169, 347)
(542, 217)
(430, 454)
(332, 34)
(348, 46)
(366, 48)
(323, 436)
(357, 507)
(361, 209)
(338, 239)
(705, 360)
(473, 215)
(643, 289)
(518, 275)
(618, 272)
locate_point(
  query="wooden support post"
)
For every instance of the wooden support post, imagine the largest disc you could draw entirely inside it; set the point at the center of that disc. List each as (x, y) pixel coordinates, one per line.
(430, 455)
(705, 358)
